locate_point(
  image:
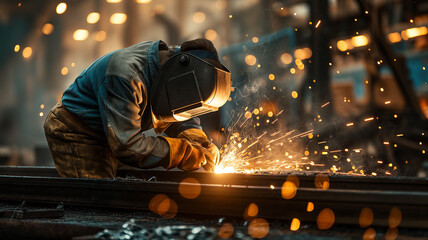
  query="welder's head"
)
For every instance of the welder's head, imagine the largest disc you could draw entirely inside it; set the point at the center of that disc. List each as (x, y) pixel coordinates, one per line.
(191, 83)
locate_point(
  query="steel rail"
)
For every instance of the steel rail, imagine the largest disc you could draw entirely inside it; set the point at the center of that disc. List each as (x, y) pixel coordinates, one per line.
(306, 179)
(222, 200)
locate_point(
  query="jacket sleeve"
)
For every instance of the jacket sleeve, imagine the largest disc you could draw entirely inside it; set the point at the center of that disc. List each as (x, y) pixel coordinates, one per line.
(178, 127)
(121, 105)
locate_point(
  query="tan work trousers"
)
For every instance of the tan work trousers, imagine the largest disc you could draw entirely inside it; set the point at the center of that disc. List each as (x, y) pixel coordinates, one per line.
(77, 150)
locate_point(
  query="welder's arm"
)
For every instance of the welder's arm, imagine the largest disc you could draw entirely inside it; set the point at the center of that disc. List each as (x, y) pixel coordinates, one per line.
(120, 107)
(120, 110)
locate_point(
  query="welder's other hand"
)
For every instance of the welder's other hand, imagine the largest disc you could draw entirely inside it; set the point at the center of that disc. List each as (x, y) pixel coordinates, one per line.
(187, 155)
(197, 135)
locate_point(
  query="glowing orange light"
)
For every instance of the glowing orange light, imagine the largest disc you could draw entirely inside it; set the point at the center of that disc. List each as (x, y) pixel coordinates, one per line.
(342, 45)
(394, 37)
(118, 18)
(322, 181)
(255, 39)
(250, 60)
(226, 231)
(248, 115)
(211, 34)
(61, 8)
(366, 217)
(258, 228)
(27, 52)
(80, 34)
(100, 36)
(252, 210)
(295, 224)
(414, 32)
(163, 205)
(310, 207)
(93, 17)
(64, 71)
(286, 58)
(369, 234)
(288, 190)
(189, 188)
(199, 17)
(394, 218)
(16, 48)
(271, 77)
(325, 219)
(294, 94)
(256, 111)
(47, 28)
(359, 41)
(144, 1)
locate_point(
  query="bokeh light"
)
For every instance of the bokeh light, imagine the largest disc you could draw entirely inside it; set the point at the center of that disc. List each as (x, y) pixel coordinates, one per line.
(100, 36)
(118, 18)
(255, 39)
(366, 217)
(144, 1)
(47, 28)
(250, 60)
(369, 234)
(16, 48)
(226, 231)
(251, 211)
(325, 219)
(61, 8)
(295, 224)
(310, 207)
(64, 71)
(359, 41)
(211, 34)
(258, 228)
(189, 188)
(288, 190)
(93, 17)
(199, 17)
(286, 58)
(294, 94)
(27, 52)
(164, 206)
(322, 181)
(342, 45)
(80, 34)
(394, 218)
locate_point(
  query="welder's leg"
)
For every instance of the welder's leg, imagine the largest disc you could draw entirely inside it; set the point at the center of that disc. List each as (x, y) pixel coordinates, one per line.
(76, 150)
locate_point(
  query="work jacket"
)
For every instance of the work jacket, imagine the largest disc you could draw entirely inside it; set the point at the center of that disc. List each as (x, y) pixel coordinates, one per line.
(111, 98)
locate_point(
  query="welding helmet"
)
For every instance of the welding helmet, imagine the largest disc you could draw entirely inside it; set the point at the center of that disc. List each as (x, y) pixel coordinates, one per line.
(188, 86)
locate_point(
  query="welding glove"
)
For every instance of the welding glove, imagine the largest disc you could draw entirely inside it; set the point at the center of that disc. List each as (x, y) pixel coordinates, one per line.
(197, 135)
(192, 150)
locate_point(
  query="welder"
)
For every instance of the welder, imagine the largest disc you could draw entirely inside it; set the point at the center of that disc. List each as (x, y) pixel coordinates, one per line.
(102, 117)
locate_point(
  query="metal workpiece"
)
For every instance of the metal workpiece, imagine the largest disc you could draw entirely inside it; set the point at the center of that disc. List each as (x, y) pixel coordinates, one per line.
(273, 196)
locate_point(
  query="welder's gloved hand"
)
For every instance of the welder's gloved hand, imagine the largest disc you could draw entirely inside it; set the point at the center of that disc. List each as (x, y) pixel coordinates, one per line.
(192, 150)
(197, 135)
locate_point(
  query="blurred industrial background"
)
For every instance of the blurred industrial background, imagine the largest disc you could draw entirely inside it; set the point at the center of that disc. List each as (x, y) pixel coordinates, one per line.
(352, 74)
